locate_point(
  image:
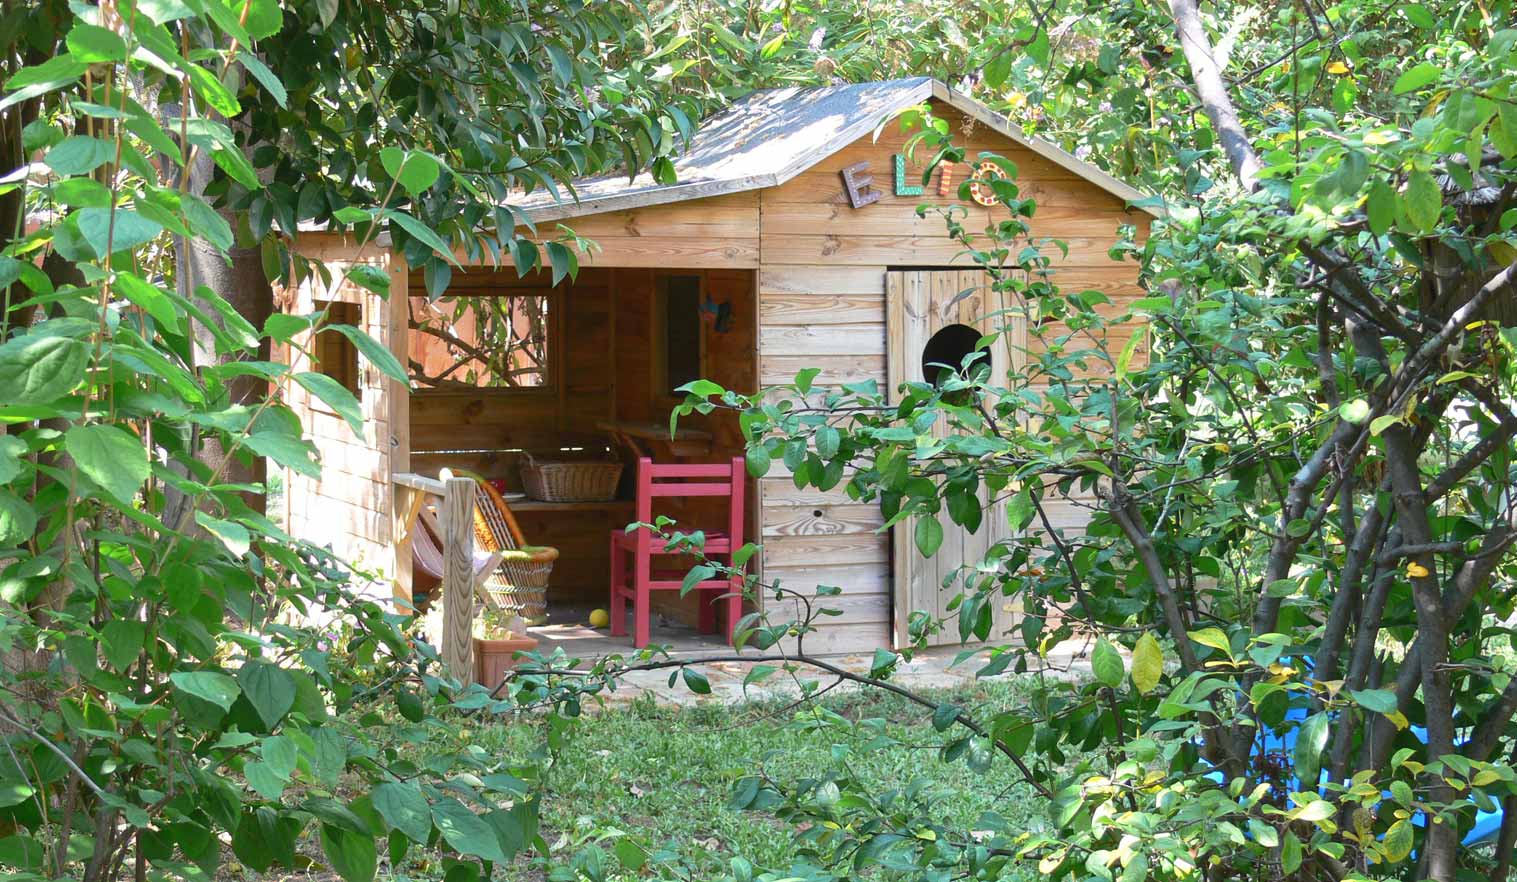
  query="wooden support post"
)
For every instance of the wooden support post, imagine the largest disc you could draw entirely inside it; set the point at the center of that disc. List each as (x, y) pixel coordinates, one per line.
(458, 577)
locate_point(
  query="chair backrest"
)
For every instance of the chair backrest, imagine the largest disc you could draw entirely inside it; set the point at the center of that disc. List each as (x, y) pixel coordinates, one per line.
(690, 480)
(495, 527)
(426, 550)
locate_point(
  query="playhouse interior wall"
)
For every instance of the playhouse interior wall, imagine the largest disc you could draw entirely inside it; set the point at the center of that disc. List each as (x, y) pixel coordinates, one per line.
(603, 373)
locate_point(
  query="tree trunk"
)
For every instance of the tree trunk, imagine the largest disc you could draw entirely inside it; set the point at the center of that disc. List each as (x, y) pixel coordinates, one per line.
(239, 279)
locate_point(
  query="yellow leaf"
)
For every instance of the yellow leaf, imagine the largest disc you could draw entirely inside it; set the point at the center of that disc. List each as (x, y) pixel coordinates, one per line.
(1147, 664)
(1416, 570)
(1337, 67)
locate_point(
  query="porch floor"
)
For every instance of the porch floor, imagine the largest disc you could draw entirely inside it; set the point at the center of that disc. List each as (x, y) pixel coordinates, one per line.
(568, 628)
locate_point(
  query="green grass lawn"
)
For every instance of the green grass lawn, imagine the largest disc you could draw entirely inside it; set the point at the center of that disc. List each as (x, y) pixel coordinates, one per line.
(666, 773)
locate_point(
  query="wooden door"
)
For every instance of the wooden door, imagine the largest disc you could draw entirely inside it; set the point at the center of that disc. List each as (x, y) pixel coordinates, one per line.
(919, 304)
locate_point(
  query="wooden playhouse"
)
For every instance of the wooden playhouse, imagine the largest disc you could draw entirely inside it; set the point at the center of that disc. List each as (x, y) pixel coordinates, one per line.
(790, 241)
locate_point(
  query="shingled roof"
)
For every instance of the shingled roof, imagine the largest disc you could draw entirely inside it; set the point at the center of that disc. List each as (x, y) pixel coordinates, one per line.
(770, 136)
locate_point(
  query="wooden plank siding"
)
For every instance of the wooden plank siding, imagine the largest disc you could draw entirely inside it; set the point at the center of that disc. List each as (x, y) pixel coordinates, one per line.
(822, 304)
(348, 507)
(716, 233)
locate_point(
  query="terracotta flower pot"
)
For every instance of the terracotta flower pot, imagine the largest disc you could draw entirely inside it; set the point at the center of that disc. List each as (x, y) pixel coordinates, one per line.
(492, 658)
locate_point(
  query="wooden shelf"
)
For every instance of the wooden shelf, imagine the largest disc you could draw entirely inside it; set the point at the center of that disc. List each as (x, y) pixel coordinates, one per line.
(538, 506)
(686, 442)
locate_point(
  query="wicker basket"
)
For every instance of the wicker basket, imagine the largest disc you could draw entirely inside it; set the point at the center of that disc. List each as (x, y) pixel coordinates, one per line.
(582, 481)
(526, 592)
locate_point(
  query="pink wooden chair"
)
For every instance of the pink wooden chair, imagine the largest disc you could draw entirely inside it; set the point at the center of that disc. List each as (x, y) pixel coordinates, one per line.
(677, 481)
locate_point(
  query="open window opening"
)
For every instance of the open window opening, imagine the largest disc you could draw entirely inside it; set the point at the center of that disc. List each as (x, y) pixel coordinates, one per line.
(482, 341)
(334, 354)
(681, 352)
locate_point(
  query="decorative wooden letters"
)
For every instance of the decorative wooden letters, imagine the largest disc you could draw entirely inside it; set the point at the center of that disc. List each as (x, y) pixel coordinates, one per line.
(857, 182)
(901, 187)
(945, 179)
(980, 189)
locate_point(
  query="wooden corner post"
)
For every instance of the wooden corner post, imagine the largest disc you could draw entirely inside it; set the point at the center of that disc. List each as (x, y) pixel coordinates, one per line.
(458, 577)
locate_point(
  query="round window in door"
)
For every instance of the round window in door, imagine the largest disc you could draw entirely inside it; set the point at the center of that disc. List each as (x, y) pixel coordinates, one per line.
(948, 352)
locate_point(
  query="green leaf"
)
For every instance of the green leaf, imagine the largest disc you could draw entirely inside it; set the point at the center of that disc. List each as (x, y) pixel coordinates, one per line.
(1381, 701)
(1423, 201)
(1381, 207)
(1216, 638)
(231, 160)
(330, 811)
(465, 831)
(563, 261)
(1381, 423)
(39, 79)
(265, 77)
(336, 396)
(18, 520)
(121, 642)
(232, 535)
(945, 715)
(404, 808)
(1310, 741)
(415, 170)
(269, 688)
(14, 793)
(151, 299)
(1290, 853)
(1106, 663)
(1397, 844)
(212, 90)
(1416, 77)
(1147, 664)
(928, 534)
(696, 574)
(1125, 358)
(1020, 509)
(262, 18)
(409, 705)
(11, 451)
(377, 355)
(421, 232)
(79, 155)
(696, 681)
(263, 839)
(41, 368)
(91, 43)
(115, 230)
(1356, 411)
(205, 221)
(113, 458)
(352, 855)
(757, 457)
(217, 688)
(370, 277)
(827, 441)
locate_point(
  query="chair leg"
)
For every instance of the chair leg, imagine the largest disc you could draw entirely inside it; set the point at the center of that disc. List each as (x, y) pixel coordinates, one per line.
(734, 607)
(706, 601)
(641, 600)
(618, 608)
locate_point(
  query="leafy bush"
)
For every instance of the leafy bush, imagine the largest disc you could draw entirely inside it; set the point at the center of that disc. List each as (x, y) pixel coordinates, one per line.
(179, 671)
